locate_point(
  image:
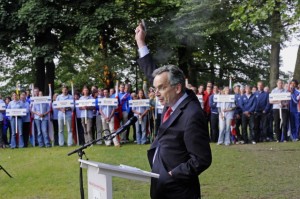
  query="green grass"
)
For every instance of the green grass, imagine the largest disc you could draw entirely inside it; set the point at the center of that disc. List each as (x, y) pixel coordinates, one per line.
(268, 170)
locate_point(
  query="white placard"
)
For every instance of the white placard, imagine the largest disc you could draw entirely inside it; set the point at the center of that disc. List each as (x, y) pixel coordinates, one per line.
(279, 96)
(108, 102)
(224, 98)
(83, 103)
(200, 98)
(2, 106)
(63, 104)
(139, 103)
(40, 100)
(158, 104)
(16, 112)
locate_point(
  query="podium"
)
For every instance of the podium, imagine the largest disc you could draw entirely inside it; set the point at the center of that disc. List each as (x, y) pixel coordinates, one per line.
(99, 177)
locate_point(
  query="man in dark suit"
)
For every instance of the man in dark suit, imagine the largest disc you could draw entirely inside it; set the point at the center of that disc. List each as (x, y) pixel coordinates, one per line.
(181, 150)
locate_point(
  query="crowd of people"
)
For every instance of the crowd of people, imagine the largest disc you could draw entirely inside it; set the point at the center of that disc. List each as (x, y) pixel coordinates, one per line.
(88, 122)
(251, 118)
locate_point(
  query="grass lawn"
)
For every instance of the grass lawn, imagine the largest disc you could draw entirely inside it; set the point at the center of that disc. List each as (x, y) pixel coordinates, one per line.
(265, 170)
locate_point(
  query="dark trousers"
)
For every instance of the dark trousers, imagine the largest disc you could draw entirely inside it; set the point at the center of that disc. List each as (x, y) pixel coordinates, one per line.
(248, 121)
(130, 115)
(279, 129)
(270, 126)
(260, 126)
(1, 129)
(214, 127)
(94, 128)
(55, 128)
(80, 131)
(238, 123)
(26, 132)
(6, 128)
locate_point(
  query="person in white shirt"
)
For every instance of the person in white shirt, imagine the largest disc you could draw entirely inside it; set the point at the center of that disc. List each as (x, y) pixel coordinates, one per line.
(64, 114)
(107, 115)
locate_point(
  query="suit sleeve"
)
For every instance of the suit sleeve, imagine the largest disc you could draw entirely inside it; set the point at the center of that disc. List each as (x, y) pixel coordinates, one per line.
(147, 65)
(196, 140)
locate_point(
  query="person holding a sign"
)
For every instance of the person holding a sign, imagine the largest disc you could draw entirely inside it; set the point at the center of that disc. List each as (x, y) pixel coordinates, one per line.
(226, 112)
(280, 113)
(181, 150)
(141, 113)
(107, 115)
(16, 122)
(87, 116)
(26, 119)
(65, 116)
(41, 113)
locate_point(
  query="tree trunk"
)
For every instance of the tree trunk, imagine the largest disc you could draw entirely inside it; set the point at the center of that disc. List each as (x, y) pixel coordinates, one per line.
(276, 30)
(50, 76)
(297, 66)
(182, 59)
(39, 73)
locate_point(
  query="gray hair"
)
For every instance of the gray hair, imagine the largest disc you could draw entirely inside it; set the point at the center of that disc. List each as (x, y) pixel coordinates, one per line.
(175, 74)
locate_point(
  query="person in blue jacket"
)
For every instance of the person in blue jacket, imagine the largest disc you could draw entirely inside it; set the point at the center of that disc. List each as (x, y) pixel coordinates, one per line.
(294, 114)
(262, 109)
(214, 116)
(248, 104)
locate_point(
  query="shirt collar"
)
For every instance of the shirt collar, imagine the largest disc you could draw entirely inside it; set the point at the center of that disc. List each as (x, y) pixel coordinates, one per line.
(179, 101)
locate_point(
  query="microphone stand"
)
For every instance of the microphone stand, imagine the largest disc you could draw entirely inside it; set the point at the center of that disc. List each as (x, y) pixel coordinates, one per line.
(80, 153)
(1, 168)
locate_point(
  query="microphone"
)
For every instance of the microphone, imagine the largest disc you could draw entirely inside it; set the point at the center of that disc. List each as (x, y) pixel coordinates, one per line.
(125, 126)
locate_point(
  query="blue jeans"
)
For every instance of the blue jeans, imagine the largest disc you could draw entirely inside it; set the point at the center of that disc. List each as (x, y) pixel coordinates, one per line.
(42, 129)
(224, 133)
(61, 139)
(141, 131)
(13, 143)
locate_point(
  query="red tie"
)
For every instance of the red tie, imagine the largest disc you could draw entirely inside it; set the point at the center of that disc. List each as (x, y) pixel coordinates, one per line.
(167, 114)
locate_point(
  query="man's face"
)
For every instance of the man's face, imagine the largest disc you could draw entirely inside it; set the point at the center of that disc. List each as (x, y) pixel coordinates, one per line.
(100, 92)
(167, 94)
(23, 96)
(215, 90)
(200, 89)
(248, 90)
(293, 85)
(208, 89)
(36, 92)
(106, 93)
(65, 91)
(280, 84)
(121, 87)
(236, 90)
(260, 86)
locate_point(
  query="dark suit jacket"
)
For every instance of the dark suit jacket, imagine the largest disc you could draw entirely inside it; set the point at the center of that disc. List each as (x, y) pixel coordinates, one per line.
(181, 146)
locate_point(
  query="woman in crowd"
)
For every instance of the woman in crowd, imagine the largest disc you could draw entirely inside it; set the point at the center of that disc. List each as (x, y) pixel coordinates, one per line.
(140, 125)
(226, 112)
(16, 104)
(41, 114)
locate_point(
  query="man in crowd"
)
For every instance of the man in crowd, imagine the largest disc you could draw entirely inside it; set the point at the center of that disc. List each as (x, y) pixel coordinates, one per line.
(238, 111)
(214, 117)
(280, 113)
(294, 114)
(261, 112)
(248, 104)
(65, 117)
